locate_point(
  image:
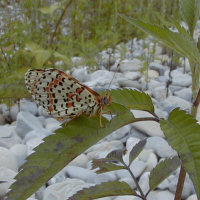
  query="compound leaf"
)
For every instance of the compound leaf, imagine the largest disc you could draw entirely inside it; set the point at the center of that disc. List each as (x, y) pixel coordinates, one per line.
(61, 148)
(183, 132)
(180, 43)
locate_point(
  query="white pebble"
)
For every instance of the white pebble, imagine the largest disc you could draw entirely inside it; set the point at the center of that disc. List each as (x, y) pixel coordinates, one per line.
(8, 159)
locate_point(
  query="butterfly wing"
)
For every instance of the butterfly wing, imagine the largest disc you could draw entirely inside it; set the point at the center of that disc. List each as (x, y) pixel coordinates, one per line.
(60, 94)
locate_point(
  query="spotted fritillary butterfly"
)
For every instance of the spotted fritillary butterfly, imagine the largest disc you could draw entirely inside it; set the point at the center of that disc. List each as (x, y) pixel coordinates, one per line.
(63, 96)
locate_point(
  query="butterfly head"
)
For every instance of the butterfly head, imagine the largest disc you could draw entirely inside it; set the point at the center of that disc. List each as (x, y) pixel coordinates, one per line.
(106, 100)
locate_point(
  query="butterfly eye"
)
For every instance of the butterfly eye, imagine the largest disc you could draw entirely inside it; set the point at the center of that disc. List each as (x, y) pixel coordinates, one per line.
(105, 100)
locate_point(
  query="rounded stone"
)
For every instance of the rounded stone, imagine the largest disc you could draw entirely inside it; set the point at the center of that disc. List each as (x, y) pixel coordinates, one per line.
(164, 185)
(27, 122)
(130, 65)
(32, 143)
(14, 112)
(151, 162)
(80, 74)
(49, 120)
(152, 84)
(144, 182)
(185, 94)
(36, 133)
(6, 112)
(42, 112)
(131, 142)
(164, 195)
(2, 120)
(143, 126)
(65, 189)
(160, 93)
(158, 67)
(160, 147)
(177, 102)
(9, 137)
(8, 159)
(54, 126)
(80, 161)
(192, 197)
(152, 74)
(8, 176)
(79, 172)
(187, 188)
(119, 133)
(6, 131)
(28, 106)
(132, 75)
(182, 80)
(20, 152)
(129, 83)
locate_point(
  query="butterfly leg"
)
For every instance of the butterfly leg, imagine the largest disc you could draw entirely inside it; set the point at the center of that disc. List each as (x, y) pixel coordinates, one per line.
(73, 117)
(107, 112)
(101, 113)
(101, 121)
(100, 117)
(76, 116)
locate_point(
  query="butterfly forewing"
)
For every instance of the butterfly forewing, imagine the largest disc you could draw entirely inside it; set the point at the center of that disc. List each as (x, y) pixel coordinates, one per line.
(60, 94)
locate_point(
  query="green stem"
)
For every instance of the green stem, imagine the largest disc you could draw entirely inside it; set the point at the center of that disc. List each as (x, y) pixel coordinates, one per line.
(195, 86)
(180, 185)
(146, 119)
(60, 19)
(136, 182)
(196, 102)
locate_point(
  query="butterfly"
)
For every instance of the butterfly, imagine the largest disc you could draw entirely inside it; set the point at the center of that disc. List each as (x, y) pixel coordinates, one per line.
(63, 96)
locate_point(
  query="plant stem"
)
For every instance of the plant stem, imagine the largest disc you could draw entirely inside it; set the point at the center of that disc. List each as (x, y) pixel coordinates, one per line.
(195, 86)
(196, 102)
(60, 19)
(136, 182)
(170, 76)
(146, 119)
(181, 181)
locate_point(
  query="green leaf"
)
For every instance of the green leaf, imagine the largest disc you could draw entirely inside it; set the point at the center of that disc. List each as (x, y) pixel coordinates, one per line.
(116, 155)
(176, 41)
(32, 46)
(183, 133)
(49, 10)
(61, 148)
(180, 28)
(132, 99)
(104, 165)
(111, 188)
(190, 13)
(42, 56)
(115, 108)
(136, 150)
(162, 171)
(61, 57)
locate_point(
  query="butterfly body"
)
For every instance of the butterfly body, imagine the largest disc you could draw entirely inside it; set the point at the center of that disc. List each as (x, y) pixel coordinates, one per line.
(63, 96)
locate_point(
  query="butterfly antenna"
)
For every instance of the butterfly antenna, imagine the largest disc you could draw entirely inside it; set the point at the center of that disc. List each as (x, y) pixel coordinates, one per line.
(113, 76)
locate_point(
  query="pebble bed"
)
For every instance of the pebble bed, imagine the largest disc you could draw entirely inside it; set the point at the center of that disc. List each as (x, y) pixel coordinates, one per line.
(29, 124)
